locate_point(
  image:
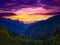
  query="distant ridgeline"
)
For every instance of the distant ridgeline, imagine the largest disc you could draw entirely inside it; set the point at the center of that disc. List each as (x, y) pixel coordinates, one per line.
(40, 30)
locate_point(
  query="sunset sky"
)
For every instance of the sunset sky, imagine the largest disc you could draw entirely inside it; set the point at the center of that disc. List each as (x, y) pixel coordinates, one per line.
(30, 15)
(35, 11)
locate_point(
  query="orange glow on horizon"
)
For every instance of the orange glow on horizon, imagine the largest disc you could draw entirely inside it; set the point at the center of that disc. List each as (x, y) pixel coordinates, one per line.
(27, 19)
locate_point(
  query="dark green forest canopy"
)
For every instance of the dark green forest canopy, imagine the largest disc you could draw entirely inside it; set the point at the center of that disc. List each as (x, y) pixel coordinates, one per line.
(7, 39)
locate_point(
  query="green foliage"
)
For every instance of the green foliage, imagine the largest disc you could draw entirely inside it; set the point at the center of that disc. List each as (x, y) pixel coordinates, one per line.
(7, 39)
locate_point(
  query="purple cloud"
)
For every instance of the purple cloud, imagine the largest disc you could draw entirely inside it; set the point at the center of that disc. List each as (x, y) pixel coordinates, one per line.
(6, 14)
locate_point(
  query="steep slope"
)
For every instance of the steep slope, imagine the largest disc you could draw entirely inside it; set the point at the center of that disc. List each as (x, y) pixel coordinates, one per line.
(6, 38)
(43, 30)
(13, 26)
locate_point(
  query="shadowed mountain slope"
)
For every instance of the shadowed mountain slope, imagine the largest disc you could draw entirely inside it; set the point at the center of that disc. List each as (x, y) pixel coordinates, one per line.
(43, 29)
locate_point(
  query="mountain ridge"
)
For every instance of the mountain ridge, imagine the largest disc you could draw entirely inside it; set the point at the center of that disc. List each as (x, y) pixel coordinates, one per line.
(40, 30)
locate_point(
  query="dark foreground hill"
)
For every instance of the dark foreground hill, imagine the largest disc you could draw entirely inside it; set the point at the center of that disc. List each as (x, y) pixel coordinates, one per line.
(8, 38)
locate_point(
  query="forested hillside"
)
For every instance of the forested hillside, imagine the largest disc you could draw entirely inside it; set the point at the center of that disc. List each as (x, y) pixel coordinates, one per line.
(8, 38)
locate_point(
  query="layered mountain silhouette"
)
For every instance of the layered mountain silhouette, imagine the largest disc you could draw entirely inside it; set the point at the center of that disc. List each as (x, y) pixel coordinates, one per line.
(40, 30)
(43, 29)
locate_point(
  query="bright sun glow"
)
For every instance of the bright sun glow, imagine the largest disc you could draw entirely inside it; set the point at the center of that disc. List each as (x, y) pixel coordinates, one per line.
(27, 19)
